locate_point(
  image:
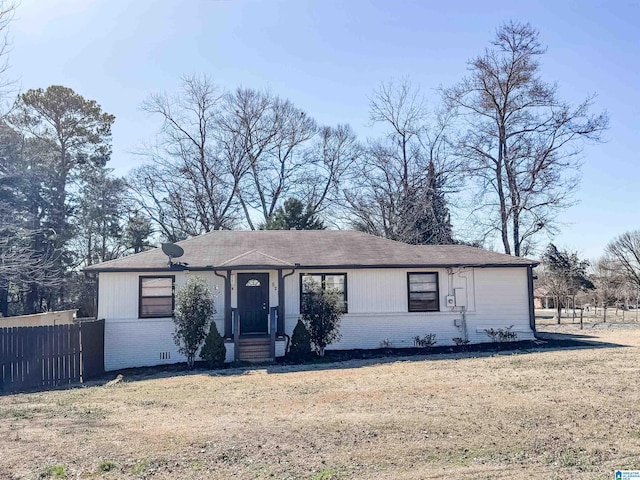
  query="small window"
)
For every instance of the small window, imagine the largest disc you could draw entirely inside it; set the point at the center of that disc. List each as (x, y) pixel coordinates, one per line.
(253, 283)
(311, 284)
(423, 292)
(156, 297)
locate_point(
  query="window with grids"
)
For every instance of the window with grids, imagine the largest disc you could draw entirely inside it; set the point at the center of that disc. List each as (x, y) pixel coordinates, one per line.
(423, 292)
(156, 297)
(311, 284)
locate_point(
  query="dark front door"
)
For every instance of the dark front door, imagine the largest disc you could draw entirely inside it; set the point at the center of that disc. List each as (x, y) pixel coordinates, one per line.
(253, 302)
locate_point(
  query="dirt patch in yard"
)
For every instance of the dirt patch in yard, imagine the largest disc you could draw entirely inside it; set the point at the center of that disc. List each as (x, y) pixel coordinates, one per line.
(547, 413)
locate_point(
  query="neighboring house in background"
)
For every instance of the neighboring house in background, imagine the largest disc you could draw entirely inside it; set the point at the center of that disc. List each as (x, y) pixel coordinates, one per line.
(541, 298)
(392, 292)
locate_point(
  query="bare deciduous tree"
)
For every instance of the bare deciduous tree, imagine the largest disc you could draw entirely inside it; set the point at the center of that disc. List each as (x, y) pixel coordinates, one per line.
(22, 267)
(228, 159)
(268, 134)
(521, 142)
(402, 182)
(609, 281)
(625, 250)
(330, 165)
(7, 10)
(188, 187)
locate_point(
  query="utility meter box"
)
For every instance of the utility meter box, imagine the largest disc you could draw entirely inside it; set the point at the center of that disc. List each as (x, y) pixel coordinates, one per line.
(460, 297)
(451, 301)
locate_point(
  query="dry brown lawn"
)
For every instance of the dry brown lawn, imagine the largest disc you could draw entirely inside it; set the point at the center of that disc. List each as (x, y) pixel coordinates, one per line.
(572, 413)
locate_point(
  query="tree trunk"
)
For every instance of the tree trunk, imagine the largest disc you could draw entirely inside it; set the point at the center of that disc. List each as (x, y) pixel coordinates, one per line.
(31, 300)
(581, 320)
(504, 218)
(4, 302)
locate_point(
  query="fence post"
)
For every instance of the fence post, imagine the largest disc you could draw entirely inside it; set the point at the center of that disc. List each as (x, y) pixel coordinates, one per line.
(92, 348)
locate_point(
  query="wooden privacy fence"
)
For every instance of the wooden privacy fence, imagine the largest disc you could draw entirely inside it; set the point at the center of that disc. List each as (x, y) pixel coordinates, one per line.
(50, 356)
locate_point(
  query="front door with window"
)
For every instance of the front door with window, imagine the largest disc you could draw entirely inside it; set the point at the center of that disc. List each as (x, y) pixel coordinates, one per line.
(253, 303)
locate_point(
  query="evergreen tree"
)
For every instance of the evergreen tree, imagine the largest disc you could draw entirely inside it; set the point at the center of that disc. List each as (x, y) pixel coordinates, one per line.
(66, 135)
(300, 348)
(137, 232)
(294, 215)
(425, 215)
(27, 255)
(564, 274)
(213, 351)
(98, 216)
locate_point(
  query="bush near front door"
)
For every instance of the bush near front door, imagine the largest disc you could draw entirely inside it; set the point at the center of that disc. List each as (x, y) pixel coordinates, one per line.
(321, 315)
(194, 309)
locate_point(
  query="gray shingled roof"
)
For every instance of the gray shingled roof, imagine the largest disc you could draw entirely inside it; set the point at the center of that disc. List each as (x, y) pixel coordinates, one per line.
(307, 248)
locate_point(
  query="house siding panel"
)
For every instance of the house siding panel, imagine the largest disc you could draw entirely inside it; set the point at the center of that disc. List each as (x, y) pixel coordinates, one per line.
(384, 290)
(378, 311)
(135, 342)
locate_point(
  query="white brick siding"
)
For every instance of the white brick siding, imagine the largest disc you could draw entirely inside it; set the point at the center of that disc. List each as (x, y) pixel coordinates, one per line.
(378, 311)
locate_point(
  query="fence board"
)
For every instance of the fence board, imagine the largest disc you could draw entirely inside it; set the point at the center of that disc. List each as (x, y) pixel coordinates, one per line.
(48, 356)
(74, 339)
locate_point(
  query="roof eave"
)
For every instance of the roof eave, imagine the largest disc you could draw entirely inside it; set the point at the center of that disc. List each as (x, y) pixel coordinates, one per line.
(311, 267)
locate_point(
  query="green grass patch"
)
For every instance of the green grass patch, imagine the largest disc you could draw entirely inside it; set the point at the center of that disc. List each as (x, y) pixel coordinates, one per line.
(140, 467)
(106, 466)
(327, 474)
(56, 471)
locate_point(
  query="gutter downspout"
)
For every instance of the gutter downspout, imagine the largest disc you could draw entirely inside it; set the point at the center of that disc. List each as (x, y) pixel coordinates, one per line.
(532, 313)
(281, 307)
(463, 274)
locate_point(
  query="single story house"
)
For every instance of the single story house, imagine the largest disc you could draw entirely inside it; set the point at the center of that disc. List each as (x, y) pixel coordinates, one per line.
(392, 292)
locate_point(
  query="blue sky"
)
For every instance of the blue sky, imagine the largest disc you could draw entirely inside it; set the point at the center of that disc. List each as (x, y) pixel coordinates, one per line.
(328, 56)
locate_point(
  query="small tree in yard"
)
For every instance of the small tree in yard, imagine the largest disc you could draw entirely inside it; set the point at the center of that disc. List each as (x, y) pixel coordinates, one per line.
(213, 351)
(564, 275)
(300, 343)
(321, 315)
(194, 309)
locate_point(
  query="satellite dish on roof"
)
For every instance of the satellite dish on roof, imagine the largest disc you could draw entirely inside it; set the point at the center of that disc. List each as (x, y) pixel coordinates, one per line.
(172, 251)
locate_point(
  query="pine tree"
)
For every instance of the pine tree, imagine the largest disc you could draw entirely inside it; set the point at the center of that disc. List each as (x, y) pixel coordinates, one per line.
(213, 351)
(426, 219)
(137, 233)
(300, 348)
(294, 215)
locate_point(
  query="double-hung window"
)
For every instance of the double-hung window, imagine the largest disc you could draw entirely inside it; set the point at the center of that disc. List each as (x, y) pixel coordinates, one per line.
(156, 296)
(423, 292)
(314, 283)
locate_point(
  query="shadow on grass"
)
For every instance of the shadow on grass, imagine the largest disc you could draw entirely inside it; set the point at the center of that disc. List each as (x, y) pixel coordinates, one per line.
(350, 359)
(360, 358)
(560, 336)
(335, 359)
